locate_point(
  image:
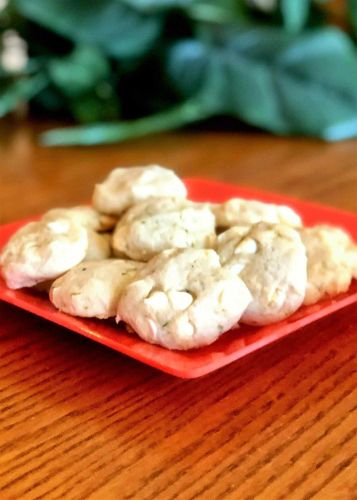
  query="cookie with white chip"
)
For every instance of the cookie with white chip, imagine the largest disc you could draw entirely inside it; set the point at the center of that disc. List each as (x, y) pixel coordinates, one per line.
(84, 216)
(152, 226)
(92, 289)
(183, 299)
(125, 187)
(238, 211)
(99, 246)
(331, 261)
(42, 251)
(271, 260)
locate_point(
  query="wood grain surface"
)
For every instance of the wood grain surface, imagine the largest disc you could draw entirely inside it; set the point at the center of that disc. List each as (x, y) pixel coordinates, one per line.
(80, 421)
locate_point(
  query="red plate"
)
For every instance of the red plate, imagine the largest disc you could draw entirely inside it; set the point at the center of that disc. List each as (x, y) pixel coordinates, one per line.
(232, 345)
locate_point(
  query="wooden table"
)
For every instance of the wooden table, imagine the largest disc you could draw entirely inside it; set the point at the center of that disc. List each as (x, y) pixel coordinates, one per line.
(81, 421)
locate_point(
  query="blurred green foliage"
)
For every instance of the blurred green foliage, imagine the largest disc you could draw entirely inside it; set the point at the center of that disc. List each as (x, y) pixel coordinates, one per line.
(126, 68)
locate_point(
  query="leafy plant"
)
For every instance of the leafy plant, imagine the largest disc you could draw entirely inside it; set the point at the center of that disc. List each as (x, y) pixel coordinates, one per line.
(352, 9)
(128, 68)
(115, 27)
(295, 14)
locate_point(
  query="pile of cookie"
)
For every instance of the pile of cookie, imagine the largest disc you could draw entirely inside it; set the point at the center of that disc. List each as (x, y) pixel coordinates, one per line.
(177, 272)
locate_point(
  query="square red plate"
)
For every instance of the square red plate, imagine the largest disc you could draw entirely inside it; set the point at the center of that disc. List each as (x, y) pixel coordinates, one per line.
(232, 345)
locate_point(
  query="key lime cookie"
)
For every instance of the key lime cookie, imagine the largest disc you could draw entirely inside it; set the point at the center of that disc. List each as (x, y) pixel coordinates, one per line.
(238, 211)
(84, 216)
(125, 187)
(183, 299)
(42, 251)
(271, 260)
(331, 261)
(92, 289)
(150, 227)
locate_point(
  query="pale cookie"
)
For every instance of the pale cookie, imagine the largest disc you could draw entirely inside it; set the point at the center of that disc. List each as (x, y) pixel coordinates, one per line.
(238, 211)
(83, 215)
(125, 187)
(99, 246)
(92, 289)
(152, 226)
(331, 261)
(183, 299)
(42, 251)
(271, 260)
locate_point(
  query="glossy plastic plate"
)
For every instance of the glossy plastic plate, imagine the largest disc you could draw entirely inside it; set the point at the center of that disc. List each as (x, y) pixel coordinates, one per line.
(232, 345)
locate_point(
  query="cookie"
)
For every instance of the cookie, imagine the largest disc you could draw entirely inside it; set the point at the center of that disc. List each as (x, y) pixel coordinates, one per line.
(97, 225)
(183, 299)
(271, 260)
(152, 226)
(42, 251)
(125, 187)
(238, 211)
(92, 289)
(83, 215)
(99, 246)
(331, 261)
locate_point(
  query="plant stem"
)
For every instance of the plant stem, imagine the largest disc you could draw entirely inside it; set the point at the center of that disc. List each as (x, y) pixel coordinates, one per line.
(105, 133)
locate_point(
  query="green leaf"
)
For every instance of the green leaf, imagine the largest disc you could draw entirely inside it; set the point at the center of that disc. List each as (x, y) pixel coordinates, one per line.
(222, 12)
(158, 5)
(90, 109)
(227, 81)
(105, 133)
(50, 102)
(118, 29)
(19, 91)
(352, 12)
(98, 105)
(295, 14)
(286, 84)
(79, 72)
